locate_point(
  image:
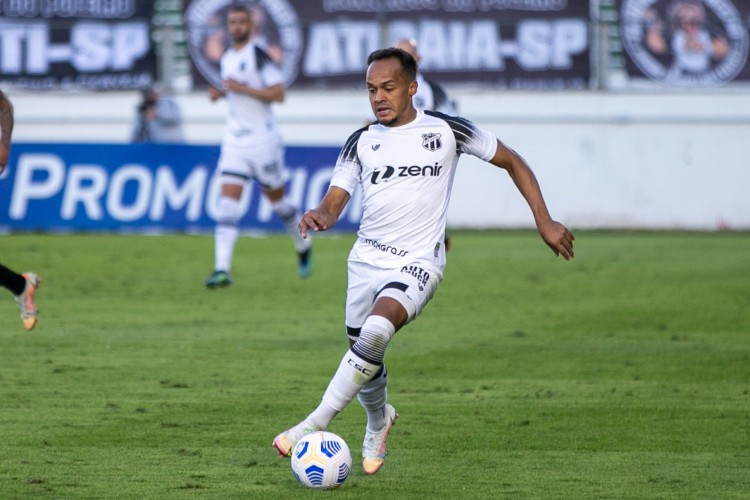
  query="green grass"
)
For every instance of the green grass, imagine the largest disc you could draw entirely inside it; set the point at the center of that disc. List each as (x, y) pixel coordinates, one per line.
(624, 374)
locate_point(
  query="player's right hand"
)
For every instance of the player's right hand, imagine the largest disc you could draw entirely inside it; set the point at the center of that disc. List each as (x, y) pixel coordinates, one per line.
(558, 238)
(312, 220)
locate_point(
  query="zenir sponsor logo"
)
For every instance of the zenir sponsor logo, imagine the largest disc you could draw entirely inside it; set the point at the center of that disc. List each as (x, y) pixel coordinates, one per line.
(384, 174)
(432, 141)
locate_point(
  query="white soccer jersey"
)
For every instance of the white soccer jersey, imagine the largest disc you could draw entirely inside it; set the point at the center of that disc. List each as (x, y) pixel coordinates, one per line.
(406, 175)
(249, 119)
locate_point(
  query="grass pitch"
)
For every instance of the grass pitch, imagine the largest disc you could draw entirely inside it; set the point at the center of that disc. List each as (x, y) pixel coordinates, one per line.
(622, 374)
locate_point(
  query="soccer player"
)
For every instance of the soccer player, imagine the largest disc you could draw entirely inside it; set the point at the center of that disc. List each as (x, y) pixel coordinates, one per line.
(405, 164)
(251, 147)
(22, 286)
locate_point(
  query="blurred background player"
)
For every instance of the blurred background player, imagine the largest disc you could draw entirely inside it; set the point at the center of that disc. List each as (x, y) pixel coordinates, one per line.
(688, 35)
(158, 119)
(252, 147)
(430, 95)
(22, 286)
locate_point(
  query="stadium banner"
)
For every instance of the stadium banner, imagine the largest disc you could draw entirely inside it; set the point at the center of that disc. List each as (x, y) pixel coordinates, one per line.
(696, 43)
(145, 188)
(93, 44)
(515, 44)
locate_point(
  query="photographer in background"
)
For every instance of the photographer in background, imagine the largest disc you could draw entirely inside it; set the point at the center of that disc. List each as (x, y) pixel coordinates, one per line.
(158, 119)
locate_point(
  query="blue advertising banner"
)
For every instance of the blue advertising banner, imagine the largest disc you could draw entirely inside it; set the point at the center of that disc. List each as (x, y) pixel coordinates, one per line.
(145, 188)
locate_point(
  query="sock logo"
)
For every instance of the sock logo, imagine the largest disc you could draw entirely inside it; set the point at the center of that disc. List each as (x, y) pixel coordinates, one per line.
(363, 370)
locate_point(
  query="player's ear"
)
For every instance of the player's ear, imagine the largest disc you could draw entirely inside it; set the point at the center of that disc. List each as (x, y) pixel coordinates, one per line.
(413, 88)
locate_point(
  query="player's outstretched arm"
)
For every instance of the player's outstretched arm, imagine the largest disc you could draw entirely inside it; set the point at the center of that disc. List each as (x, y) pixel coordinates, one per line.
(554, 234)
(327, 214)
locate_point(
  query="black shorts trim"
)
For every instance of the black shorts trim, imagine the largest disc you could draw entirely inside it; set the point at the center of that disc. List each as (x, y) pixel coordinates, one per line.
(234, 174)
(393, 284)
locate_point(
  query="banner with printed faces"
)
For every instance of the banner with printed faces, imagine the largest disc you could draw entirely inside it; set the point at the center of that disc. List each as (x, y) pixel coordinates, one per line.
(61, 44)
(695, 43)
(146, 188)
(517, 44)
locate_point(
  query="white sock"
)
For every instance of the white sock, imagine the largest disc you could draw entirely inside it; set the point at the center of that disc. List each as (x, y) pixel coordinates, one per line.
(290, 217)
(373, 397)
(225, 235)
(352, 374)
(321, 417)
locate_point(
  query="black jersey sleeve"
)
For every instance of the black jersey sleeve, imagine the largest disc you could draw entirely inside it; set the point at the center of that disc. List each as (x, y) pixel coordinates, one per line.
(349, 151)
(463, 130)
(470, 139)
(347, 172)
(262, 58)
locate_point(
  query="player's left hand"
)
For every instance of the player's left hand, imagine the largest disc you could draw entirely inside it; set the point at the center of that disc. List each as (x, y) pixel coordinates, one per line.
(558, 238)
(215, 94)
(231, 85)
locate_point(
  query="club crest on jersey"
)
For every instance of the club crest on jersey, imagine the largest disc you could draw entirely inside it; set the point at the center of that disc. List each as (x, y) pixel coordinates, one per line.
(432, 141)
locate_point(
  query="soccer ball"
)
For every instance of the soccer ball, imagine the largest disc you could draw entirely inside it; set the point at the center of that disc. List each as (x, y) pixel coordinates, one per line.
(321, 460)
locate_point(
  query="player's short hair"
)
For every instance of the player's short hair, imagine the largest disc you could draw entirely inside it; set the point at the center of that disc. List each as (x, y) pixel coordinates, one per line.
(408, 63)
(676, 5)
(238, 7)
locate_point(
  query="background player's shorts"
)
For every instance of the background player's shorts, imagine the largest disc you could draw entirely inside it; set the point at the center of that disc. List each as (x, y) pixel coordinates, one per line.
(413, 286)
(262, 162)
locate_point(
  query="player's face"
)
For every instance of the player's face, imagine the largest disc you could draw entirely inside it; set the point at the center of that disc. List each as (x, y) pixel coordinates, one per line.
(239, 26)
(390, 92)
(690, 18)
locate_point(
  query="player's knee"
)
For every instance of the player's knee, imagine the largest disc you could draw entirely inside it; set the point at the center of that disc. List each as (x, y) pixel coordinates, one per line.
(408, 309)
(228, 210)
(283, 209)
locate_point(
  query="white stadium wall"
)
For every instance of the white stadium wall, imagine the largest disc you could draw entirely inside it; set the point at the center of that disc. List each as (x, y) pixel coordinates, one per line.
(604, 160)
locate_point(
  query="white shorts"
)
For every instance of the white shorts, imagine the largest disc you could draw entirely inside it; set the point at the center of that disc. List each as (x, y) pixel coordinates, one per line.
(263, 162)
(413, 286)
